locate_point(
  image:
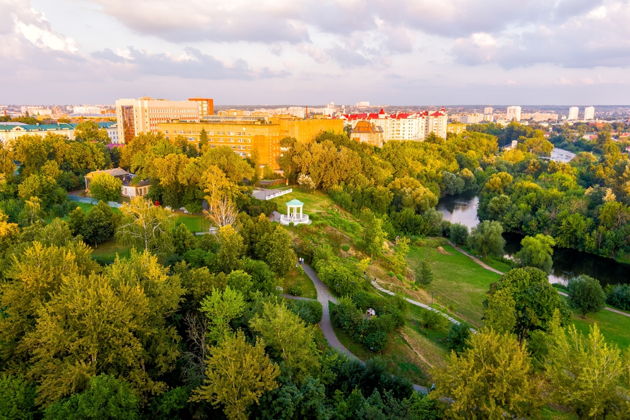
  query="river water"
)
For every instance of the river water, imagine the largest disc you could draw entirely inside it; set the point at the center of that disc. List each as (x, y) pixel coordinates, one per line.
(567, 263)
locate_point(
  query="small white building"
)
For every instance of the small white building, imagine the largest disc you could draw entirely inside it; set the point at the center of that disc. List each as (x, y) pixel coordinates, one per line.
(131, 187)
(295, 214)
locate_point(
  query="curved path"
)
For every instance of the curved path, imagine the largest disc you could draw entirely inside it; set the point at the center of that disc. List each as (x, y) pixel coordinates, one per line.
(324, 296)
(494, 270)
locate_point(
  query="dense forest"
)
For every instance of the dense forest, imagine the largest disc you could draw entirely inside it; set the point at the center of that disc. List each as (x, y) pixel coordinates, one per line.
(195, 326)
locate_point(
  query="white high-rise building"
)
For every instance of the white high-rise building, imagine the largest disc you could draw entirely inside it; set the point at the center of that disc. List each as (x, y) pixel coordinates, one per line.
(574, 113)
(135, 116)
(514, 113)
(589, 113)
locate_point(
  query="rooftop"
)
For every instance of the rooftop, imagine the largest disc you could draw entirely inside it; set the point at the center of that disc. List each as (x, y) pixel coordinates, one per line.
(295, 202)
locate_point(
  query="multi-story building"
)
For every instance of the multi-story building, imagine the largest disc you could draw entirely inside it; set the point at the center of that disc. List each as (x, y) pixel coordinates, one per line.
(589, 113)
(488, 114)
(112, 132)
(366, 132)
(574, 113)
(513, 113)
(255, 138)
(13, 131)
(135, 116)
(404, 126)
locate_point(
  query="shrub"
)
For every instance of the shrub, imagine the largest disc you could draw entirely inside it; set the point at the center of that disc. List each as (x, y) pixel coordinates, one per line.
(619, 296)
(457, 338)
(345, 247)
(458, 234)
(586, 294)
(433, 320)
(295, 290)
(309, 310)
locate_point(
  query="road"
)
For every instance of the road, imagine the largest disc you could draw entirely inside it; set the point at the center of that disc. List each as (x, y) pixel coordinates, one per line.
(324, 296)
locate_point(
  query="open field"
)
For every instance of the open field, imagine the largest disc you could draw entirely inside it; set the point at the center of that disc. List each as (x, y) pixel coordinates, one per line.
(296, 280)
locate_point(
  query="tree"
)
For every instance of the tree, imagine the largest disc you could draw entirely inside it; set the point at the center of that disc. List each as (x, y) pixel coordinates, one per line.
(231, 248)
(458, 234)
(587, 374)
(146, 227)
(99, 224)
(203, 139)
(105, 398)
(486, 239)
(114, 323)
(90, 131)
(399, 259)
(237, 375)
(493, 378)
(458, 336)
(536, 252)
(423, 273)
(17, 398)
(105, 187)
(374, 236)
(278, 251)
(290, 338)
(500, 311)
(535, 300)
(222, 307)
(586, 294)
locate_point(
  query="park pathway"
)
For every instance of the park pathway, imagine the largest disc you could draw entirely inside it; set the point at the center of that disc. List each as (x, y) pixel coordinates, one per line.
(324, 296)
(494, 270)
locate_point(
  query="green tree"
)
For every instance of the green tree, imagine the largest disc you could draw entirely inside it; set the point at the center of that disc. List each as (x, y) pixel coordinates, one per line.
(586, 294)
(105, 187)
(373, 236)
(221, 308)
(203, 139)
(401, 250)
(486, 239)
(587, 374)
(99, 225)
(237, 375)
(146, 227)
(90, 131)
(492, 379)
(458, 234)
(290, 338)
(536, 252)
(278, 251)
(500, 311)
(17, 398)
(231, 248)
(458, 336)
(535, 300)
(423, 273)
(105, 398)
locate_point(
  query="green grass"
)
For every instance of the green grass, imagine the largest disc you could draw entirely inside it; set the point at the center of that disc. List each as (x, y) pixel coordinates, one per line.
(615, 327)
(107, 251)
(458, 283)
(297, 278)
(194, 223)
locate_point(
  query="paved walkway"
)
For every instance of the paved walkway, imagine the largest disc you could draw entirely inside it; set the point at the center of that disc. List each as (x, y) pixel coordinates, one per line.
(324, 296)
(494, 270)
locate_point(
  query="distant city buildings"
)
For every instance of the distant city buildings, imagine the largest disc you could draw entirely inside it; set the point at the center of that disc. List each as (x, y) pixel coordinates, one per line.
(11, 131)
(513, 113)
(589, 113)
(362, 104)
(574, 113)
(414, 126)
(488, 114)
(135, 116)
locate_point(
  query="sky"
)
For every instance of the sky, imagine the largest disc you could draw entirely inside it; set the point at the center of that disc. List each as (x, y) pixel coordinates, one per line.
(396, 52)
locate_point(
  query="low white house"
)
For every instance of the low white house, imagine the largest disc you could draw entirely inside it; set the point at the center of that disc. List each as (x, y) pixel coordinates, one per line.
(131, 187)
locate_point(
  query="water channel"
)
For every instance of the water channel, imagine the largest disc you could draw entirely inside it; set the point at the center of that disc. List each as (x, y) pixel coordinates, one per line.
(567, 263)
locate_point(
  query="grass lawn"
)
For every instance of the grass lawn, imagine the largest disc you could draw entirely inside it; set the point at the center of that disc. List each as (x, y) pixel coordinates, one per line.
(615, 327)
(194, 223)
(107, 251)
(458, 283)
(297, 280)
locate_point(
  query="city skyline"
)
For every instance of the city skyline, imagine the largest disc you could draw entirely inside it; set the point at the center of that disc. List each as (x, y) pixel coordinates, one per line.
(396, 53)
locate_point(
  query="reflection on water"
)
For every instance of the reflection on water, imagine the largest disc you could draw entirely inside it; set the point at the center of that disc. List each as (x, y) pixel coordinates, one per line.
(567, 263)
(460, 209)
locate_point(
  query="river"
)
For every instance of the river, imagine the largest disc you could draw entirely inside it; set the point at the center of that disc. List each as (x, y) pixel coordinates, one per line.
(567, 263)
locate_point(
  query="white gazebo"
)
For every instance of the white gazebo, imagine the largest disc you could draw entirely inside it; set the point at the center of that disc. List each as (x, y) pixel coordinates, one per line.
(295, 214)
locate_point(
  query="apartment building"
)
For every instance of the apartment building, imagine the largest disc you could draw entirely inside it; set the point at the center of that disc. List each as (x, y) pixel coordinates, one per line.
(414, 126)
(135, 116)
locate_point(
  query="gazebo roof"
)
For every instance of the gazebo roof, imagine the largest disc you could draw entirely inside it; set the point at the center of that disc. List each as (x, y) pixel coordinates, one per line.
(295, 202)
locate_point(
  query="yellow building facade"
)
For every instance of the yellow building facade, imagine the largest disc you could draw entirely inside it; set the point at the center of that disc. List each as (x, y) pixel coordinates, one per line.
(250, 138)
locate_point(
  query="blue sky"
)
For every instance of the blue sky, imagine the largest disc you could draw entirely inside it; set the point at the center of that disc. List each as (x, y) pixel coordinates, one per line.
(307, 52)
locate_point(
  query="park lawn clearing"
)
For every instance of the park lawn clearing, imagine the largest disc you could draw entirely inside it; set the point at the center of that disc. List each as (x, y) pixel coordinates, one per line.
(107, 251)
(297, 280)
(615, 327)
(194, 222)
(458, 282)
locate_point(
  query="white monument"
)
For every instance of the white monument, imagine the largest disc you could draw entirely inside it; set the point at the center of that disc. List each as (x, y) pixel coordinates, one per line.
(295, 214)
